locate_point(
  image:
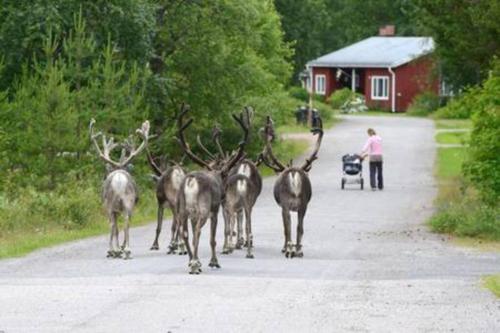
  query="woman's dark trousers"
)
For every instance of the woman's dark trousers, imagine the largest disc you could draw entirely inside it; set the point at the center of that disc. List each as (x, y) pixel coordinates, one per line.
(376, 168)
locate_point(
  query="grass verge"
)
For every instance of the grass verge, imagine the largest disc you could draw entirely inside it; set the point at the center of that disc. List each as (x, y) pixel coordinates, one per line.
(460, 212)
(492, 283)
(449, 163)
(43, 230)
(453, 123)
(453, 137)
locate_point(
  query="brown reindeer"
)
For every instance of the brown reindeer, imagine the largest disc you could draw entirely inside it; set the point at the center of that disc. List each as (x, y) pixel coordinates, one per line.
(168, 183)
(201, 194)
(292, 189)
(119, 190)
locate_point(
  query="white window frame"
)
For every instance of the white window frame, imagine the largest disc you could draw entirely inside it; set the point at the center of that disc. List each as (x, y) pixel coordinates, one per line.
(375, 94)
(317, 79)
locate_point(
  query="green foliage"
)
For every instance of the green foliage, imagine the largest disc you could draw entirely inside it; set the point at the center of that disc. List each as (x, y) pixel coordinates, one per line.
(24, 25)
(481, 168)
(460, 107)
(316, 27)
(424, 104)
(470, 219)
(466, 35)
(340, 97)
(299, 93)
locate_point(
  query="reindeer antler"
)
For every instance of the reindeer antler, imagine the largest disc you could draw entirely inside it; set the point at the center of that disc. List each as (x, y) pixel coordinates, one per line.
(268, 156)
(109, 145)
(216, 132)
(205, 149)
(314, 155)
(182, 140)
(240, 153)
(156, 169)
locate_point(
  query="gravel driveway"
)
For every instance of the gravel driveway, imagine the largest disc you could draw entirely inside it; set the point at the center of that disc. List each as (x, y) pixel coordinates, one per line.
(369, 265)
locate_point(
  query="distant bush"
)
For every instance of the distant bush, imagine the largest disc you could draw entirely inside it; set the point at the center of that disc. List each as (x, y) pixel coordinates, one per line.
(424, 104)
(460, 107)
(339, 97)
(299, 93)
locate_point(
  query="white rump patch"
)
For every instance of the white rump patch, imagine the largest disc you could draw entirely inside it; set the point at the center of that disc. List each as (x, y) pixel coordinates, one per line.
(244, 170)
(119, 183)
(295, 182)
(241, 186)
(191, 189)
(177, 178)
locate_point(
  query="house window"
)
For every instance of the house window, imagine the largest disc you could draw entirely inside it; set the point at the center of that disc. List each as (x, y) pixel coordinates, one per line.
(380, 87)
(320, 84)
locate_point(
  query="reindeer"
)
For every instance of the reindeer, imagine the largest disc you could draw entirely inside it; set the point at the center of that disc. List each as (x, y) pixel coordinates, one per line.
(292, 189)
(202, 192)
(168, 183)
(241, 189)
(119, 190)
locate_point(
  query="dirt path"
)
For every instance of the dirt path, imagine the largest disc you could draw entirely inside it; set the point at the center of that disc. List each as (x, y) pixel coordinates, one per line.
(369, 265)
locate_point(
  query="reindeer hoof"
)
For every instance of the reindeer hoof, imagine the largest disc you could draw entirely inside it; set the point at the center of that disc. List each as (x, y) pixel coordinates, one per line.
(297, 254)
(110, 254)
(283, 250)
(250, 256)
(195, 267)
(154, 247)
(240, 243)
(227, 250)
(214, 264)
(127, 254)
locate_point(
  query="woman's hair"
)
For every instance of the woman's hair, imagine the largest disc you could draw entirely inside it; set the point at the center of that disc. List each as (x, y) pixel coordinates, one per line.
(371, 132)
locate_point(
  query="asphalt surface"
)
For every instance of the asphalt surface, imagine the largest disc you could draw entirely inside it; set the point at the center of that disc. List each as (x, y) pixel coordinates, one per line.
(370, 264)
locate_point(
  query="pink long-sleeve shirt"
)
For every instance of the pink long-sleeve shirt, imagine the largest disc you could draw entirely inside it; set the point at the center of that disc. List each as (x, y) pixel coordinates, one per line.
(373, 145)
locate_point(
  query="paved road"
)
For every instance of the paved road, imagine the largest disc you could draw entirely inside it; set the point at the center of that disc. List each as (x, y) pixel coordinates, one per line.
(370, 264)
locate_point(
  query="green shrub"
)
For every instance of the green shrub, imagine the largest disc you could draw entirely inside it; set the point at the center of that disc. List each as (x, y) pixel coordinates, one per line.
(339, 97)
(460, 107)
(299, 93)
(424, 104)
(482, 167)
(468, 219)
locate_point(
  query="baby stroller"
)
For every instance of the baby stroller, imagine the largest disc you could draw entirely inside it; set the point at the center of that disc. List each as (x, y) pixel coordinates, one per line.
(352, 170)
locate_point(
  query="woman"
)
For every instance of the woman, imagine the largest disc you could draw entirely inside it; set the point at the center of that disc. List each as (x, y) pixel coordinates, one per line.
(373, 148)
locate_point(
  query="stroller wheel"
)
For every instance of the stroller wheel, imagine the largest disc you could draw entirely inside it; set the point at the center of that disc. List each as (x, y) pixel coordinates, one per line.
(342, 184)
(362, 182)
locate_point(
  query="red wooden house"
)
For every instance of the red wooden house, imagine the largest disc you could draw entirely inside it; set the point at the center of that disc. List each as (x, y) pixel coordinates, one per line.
(389, 71)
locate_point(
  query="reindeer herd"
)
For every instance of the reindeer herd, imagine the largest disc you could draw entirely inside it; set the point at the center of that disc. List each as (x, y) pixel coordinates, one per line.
(230, 181)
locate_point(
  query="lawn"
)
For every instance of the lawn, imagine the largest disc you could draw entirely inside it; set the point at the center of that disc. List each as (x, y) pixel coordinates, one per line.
(461, 137)
(449, 162)
(378, 113)
(453, 123)
(492, 282)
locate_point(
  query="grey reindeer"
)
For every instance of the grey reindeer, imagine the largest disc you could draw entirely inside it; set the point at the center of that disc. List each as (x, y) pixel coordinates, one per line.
(292, 189)
(119, 190)
(241, 190)
(168, 183)
(202, 192)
